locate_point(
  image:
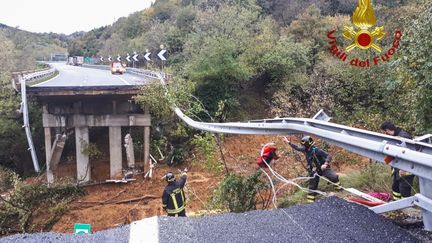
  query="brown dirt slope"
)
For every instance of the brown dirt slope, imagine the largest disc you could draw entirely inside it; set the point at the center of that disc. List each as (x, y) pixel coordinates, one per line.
(101, 207)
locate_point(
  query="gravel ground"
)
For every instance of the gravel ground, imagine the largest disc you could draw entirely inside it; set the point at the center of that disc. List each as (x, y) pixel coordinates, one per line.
(328, 220)
(117, 235)
(416, 229)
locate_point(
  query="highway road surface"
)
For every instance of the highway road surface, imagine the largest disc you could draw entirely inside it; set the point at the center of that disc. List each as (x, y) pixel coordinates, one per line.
(328, 220)
(75, 76)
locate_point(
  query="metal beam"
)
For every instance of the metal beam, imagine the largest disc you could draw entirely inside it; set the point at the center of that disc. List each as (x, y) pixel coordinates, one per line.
(396, 205)
(410, 155)
(27, 124)
(370, 144)
(416, 200)
(77, 120)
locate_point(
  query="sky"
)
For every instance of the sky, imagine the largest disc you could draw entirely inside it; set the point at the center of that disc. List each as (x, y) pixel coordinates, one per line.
(66, 16)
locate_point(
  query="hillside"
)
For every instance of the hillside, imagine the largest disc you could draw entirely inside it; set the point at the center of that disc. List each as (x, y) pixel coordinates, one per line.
(230, 60)
(266, 49)
(31, 47)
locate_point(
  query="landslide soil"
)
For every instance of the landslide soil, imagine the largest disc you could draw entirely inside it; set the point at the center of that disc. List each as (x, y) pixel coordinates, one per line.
(106, 205)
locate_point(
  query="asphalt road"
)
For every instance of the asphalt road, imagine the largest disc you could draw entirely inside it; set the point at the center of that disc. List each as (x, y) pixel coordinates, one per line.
(75, 76)
(328, 220)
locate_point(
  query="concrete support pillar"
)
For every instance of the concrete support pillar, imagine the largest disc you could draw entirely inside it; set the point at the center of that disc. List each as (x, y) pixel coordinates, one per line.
(50, 175)
(130, 153)
(426, 190)
(146, 147)
(83, 165)
(115, 152)
(57, 150)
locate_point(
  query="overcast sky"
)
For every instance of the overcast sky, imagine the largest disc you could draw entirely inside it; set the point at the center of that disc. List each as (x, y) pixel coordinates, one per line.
(66, 16)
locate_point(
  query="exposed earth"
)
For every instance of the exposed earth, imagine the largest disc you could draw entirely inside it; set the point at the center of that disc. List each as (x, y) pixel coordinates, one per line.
(241, 153)
(109, 205)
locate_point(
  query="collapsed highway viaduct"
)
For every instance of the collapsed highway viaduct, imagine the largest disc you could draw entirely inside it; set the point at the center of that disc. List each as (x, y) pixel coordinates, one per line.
(81, 108)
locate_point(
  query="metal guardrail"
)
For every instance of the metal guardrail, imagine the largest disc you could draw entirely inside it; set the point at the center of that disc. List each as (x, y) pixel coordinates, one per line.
(20, 78)
(410, 155)
(38, 75)
(30, 76)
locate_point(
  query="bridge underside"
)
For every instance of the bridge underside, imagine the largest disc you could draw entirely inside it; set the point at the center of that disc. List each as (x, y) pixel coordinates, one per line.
(80, 109)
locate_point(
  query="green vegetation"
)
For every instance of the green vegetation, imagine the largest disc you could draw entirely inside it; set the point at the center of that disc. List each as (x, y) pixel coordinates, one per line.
(24, 201)
(374, 177)
(237, 60)
(29, 47)
(91, 150)
(205, 146)
(226, 55)
(298, 197)
(19, 51)
(13, 144)
(237, 193)
(226, 49)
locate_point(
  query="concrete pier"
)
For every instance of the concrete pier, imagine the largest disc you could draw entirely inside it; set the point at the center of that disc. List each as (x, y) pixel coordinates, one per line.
(50, 175)
(115, 149)
(84, 109)
(83, 165)
(146, 147)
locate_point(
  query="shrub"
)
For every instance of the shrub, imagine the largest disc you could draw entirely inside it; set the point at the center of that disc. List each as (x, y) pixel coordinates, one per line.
(298, 197)
(91, 150)
(205, 145)
(25, 201)
(238, 193)
(374, 177)
(6, 179)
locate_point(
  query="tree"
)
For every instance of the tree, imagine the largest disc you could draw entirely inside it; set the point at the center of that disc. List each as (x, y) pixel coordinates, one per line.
(415, 68)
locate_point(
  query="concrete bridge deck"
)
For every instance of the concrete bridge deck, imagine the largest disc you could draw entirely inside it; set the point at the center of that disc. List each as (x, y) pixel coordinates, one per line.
(82, 98)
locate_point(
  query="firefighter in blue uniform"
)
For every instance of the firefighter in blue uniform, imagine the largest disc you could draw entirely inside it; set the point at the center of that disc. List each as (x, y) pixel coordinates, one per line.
(173, 197)
(318, 162)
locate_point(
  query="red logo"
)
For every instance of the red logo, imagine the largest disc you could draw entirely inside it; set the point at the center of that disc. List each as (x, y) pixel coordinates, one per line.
(361, 36)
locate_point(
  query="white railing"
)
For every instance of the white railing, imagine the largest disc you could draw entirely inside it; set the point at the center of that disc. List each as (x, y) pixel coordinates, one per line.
(19, 79)
(414, 156)
(38, 75)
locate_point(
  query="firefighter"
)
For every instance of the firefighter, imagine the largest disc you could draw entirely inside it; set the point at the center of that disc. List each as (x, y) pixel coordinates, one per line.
(173, 197)
(402, 180)
(318, 162)
(268, 153)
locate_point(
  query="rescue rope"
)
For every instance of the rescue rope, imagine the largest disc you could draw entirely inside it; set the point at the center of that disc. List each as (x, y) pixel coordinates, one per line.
(287, 182)
(284, 180)
(295, 222)
(273, 189)
(291, 181)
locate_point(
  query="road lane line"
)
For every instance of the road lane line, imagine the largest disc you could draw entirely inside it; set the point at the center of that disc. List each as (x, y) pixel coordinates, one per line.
(122, 79)
(145, 230)
(51, 79)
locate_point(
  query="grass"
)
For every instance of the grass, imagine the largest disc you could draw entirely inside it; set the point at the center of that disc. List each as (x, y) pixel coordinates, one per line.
(374, 177)
(299, 197)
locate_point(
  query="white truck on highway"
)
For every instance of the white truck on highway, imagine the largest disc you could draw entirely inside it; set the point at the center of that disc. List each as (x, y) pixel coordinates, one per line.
(76, 60)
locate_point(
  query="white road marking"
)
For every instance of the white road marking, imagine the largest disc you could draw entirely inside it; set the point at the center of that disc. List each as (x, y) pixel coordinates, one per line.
(122, 79)
(51, 79)
(145, 230)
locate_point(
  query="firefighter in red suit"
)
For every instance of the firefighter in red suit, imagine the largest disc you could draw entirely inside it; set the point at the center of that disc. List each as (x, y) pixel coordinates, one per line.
(268, 153)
